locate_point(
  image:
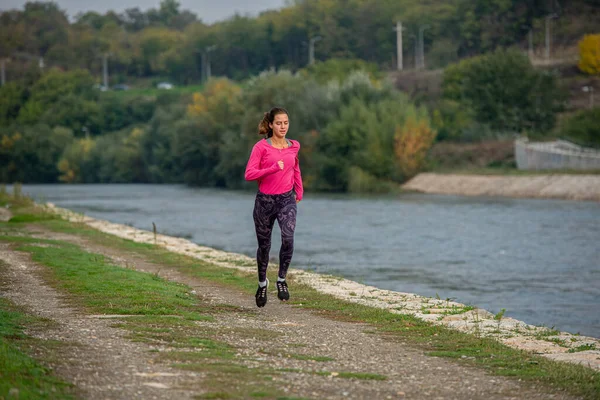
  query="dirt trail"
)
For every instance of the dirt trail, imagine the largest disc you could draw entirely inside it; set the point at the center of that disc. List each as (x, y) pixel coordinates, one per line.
(105, 365)
(97, 358)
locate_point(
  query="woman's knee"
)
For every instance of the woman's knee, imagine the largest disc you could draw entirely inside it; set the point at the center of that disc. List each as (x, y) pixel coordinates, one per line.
(287, 241)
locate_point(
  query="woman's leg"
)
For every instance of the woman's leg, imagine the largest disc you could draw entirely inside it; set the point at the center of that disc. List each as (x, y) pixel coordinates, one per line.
(264, 217)
(286, 217)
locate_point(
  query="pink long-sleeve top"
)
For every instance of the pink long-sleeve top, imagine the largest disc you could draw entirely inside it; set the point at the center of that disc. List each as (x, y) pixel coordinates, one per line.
(262, 167)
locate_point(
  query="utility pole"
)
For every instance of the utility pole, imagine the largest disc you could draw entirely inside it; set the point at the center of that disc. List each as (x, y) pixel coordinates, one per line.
(398, 30)
(3, 71)
(549, 19)
(416, 51)
(105, 70)
(530, 40)
(590, 89)
(206, 72)
(421, 45)
(311, 49)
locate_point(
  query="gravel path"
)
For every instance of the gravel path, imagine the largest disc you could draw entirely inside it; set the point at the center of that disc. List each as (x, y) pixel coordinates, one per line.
(97, 358)
(105, 365)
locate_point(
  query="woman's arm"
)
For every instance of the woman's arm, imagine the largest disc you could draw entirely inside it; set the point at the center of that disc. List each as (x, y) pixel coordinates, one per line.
(298, 187)
(253, 171)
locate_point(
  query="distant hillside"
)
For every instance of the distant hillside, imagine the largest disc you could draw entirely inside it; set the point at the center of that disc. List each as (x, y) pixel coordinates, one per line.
(173, 43)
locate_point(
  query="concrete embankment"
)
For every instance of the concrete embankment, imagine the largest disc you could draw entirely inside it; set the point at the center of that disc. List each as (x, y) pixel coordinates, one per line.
(562, 346)
(560, 186)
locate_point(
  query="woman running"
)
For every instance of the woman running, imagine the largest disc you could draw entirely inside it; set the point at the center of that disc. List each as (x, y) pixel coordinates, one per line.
(274, 164)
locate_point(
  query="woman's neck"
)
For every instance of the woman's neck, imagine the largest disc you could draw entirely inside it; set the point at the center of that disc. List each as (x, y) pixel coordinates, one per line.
(278, 142)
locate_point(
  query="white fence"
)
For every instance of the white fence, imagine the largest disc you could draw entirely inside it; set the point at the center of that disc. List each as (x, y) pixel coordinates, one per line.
(559, 154)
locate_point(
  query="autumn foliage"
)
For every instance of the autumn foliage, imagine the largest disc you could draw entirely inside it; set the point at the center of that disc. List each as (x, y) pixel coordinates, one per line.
(589, 54)
(412, 140)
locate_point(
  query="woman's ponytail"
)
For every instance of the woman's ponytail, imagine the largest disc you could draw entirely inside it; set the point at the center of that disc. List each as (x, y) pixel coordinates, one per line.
(263, 126)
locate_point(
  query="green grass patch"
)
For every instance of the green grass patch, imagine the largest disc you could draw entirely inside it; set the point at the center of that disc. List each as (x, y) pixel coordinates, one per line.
(21, 376)
(301, 357)
(455, 310)
(584, 347)
(354, 375)
(25, 218)
(154, 92)
(107, 288)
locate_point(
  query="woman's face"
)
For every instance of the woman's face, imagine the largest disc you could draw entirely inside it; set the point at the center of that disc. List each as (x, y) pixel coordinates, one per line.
(280, 125)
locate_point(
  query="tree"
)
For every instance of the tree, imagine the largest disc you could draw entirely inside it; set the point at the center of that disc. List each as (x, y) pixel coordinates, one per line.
(135, 19)
(30, 154)
(13, 96)
(505, 91)
(154, 44)
(412, 140)
(379, 137)
(59, 93)
(589, 54)
(198, 138)
(74, 159)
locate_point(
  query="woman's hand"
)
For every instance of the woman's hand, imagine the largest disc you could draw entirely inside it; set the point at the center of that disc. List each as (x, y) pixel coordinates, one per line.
(280, 162)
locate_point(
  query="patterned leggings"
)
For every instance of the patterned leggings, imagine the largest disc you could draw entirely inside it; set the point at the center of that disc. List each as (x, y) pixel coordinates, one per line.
(267, 208)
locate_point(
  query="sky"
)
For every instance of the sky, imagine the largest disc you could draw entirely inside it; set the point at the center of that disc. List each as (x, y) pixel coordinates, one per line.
(208, 11)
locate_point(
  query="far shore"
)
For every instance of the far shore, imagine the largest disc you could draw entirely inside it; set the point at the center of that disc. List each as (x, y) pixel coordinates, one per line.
(583, 187)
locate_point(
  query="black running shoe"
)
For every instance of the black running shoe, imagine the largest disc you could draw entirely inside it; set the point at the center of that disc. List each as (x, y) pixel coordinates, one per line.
(261, 295)
(282, 291)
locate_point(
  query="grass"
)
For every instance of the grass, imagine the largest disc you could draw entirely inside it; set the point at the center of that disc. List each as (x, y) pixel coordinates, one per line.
(455, 310)
(485, 353)
(164, 312)
(158, 312)
(439, 341)
(154, 92)
(21, 376)
(584, 347)
(353, 375)
(305, 357)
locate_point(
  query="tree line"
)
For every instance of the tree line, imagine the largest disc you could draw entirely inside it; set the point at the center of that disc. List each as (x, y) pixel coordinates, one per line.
(171, 42)
(358, 131)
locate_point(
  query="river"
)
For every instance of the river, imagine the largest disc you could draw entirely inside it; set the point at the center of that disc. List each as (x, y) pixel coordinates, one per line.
(538, 259)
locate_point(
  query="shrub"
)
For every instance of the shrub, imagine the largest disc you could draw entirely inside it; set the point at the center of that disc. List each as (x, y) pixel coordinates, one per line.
(505, 91)
(583, 128)
(589, 54)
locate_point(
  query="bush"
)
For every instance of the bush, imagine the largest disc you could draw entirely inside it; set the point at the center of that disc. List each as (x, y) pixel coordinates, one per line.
(589, 54)
(337, 69)
(119, 112)
(13, 96)
(583, 128)
(54, 86)
(505, 92)
(412, 140)
(384, 140)
(30, 154)
(452, 120)
(310, 108)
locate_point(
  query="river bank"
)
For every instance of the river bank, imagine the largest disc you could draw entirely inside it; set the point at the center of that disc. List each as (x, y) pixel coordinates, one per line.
(140, 314)
(547, 186)
(550, 343)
